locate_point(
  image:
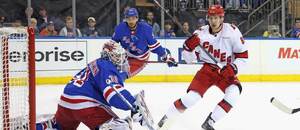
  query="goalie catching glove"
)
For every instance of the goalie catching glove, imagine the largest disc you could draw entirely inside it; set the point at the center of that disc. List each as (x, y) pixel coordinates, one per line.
(141, 113)
(137, 115)
(169, 59)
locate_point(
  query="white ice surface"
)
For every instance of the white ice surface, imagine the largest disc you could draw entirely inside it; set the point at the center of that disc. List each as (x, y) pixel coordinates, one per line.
(252, 112)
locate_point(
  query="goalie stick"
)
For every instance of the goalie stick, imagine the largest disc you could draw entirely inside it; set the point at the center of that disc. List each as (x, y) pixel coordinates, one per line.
(275, 102)
(145, 114)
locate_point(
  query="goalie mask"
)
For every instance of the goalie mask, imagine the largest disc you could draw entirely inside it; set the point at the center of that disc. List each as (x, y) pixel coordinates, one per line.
(115, 53)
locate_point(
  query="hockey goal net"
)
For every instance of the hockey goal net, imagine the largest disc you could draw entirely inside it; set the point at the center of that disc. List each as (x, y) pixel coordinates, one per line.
(17, 79)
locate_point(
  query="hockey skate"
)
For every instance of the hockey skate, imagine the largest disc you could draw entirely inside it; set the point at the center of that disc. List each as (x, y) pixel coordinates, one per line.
(207, 125)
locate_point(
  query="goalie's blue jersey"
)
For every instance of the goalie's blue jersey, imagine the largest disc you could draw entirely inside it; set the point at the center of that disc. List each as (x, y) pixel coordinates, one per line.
(92, 86)
(138, 42)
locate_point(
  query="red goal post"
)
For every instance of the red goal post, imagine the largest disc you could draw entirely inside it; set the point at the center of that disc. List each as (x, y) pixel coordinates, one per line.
(17, 80)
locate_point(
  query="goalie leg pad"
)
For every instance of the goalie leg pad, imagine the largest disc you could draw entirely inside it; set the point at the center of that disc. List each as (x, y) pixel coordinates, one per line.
(117, 124)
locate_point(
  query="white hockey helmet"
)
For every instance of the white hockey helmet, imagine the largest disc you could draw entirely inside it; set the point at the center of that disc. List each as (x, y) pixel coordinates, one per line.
(114, 52)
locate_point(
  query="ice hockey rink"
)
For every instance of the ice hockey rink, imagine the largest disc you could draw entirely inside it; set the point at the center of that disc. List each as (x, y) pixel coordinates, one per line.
(253, 111)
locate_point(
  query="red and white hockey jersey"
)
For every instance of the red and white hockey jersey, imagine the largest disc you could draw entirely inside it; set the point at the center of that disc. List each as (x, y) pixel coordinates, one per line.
(226, 46)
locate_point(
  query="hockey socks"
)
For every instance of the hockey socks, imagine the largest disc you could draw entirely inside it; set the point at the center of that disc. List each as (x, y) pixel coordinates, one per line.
(231, 95)
(179, 106)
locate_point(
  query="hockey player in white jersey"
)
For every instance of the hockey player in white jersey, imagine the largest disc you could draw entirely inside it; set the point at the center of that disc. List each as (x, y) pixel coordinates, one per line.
(223, 42)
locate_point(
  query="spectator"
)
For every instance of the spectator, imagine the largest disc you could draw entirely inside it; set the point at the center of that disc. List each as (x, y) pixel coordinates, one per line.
(42, 18)
(296, 29)
(33, 24)
(234, 22)
(17, 23)
(91, 30)
(185, 32)
(272, 32)
(150, 21)
(232, 4)
(201, 22)
(200, 4)
(256, 3)
(208, 3)
(243, 4)
(68, 29)
(58, 21)
(168, 32)
(49, 30)
(2, 21)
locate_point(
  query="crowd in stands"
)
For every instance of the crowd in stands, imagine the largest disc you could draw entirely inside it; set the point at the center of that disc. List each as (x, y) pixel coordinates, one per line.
(227, 4)
(45, 25)
(274, 31)
(296, 29)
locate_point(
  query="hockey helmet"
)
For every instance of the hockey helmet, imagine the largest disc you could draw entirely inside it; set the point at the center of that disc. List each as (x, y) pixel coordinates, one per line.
(114, 52)
(131, 12)
(215, 10)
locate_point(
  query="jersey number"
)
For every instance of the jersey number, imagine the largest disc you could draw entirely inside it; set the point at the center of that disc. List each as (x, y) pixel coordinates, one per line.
(80, 78)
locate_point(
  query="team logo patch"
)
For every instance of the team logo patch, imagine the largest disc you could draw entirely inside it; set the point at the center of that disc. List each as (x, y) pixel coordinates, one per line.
(242, 40)
(94, 68)
(108, 81)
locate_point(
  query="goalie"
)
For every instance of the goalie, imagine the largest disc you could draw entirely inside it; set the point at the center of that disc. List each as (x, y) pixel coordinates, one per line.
(91, 93)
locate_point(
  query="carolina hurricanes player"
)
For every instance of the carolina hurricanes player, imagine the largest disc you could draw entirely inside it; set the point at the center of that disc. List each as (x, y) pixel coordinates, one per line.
(136, 37)
(225, 43)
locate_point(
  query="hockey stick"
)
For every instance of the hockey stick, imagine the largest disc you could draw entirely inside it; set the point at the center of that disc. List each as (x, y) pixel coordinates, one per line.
(275, 102)
(148, 123)
(194, 63)
(211, 57)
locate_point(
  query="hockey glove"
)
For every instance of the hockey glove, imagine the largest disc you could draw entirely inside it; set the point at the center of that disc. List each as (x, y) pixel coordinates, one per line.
(137, 116)
(229, 71)
(169, 59)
